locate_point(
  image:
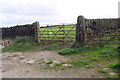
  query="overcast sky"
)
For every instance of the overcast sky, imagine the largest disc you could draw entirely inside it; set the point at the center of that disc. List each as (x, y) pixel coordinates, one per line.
(15, 12)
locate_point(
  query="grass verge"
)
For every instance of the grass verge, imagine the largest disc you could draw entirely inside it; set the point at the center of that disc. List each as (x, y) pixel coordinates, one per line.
(95, 57)
(21, 44)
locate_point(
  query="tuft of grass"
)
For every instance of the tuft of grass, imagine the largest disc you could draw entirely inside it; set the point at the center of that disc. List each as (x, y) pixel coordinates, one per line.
(24, 40)
(21, 44)
(53, 47)
(118, 48)
(116, 67)
(56, 46)
(78, 50)
(111, 53)
(14, 55)
(49, 62)
(104, 72)
(79, 63)
(92, 55)
(102, 44)
(69, 51)
(107, 74)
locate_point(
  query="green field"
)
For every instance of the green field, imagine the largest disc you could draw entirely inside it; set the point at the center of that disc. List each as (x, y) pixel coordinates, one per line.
(66, 32)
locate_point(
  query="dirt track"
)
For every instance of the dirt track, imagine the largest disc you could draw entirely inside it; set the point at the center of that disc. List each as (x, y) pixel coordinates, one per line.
(15, 66)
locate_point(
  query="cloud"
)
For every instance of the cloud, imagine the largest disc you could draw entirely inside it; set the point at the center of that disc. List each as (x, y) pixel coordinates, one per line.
(29, 9)
(19, 12)
(13, 12)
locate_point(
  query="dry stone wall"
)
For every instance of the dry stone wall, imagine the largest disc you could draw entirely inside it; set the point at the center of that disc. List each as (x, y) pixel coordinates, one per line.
(19, 30)
(101, 29)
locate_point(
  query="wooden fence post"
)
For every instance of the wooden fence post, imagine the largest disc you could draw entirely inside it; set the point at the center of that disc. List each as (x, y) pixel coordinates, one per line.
(80, 30)
(37, 27)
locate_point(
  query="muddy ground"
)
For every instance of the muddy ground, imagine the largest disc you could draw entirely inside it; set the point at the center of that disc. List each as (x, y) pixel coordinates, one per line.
(33, 65)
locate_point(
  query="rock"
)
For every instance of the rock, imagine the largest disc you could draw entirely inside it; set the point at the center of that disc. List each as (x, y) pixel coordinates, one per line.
(22, 57)
(9, 55)
(3, 70)
(44, 60)
(88, 66)
(15, 58)
(19, 53)
(30, 62)
(1, 47)
(27, 71)
(112, 73)
(52, 65)
(93, 75)
(23, 61)
(56, 62)
(66, 65)
(59, 71)
(105, 68)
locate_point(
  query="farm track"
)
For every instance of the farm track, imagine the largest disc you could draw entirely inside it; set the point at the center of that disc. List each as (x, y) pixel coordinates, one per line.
(14, 66)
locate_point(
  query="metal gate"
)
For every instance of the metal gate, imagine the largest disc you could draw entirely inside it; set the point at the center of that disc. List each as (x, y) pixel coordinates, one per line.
(58, 33)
